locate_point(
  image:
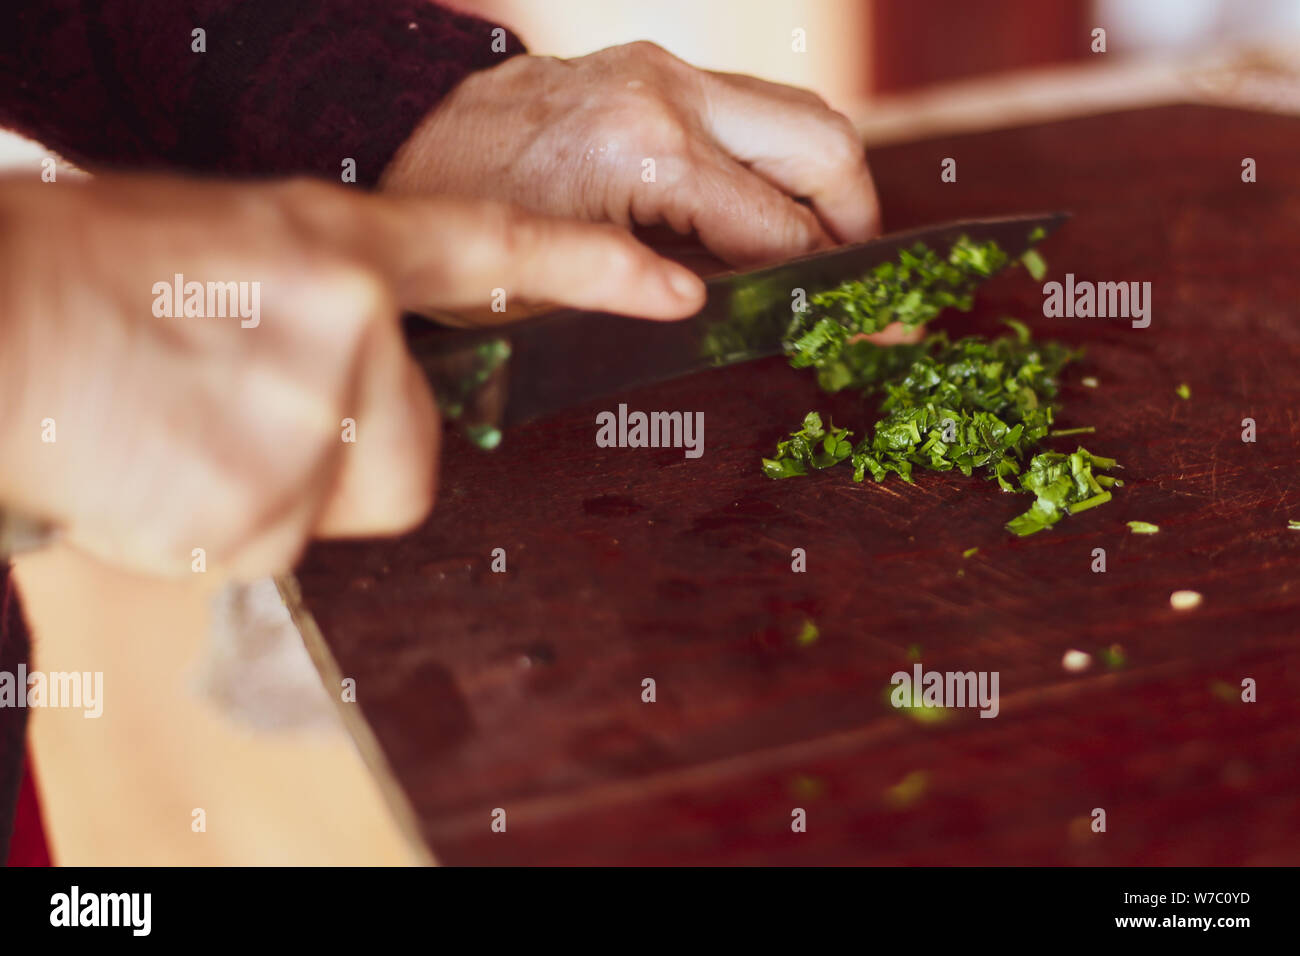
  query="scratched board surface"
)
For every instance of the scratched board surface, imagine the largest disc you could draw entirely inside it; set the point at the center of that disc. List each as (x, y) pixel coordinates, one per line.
(523, 690)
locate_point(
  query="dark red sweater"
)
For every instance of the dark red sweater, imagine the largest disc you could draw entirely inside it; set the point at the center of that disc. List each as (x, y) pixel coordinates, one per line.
(283, 87)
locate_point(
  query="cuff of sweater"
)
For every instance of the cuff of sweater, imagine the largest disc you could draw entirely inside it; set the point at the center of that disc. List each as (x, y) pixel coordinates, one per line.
(341, 90)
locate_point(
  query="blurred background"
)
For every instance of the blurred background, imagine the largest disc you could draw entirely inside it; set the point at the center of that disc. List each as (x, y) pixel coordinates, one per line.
(857, 50)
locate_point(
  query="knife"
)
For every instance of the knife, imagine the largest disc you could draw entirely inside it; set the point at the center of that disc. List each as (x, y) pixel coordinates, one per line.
(493, 378)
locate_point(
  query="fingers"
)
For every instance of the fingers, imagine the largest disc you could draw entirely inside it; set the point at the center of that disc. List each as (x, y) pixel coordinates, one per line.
(389, 440)
(388, 475)
(462, 254)
(740, 217)
(897, 334)
(793, 139)
(360, 458)
(369, 466)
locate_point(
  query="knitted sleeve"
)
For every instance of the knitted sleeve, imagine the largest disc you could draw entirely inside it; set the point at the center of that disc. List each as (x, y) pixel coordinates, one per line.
(234, 87)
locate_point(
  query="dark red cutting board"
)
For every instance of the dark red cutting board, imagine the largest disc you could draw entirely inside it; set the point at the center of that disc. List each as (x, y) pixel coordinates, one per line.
(522, 690)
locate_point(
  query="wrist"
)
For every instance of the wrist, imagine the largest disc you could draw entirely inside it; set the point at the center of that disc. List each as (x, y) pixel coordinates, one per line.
(455, 138)
(416, 164)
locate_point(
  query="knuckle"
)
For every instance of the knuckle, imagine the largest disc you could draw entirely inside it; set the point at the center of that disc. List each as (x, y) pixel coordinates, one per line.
(508, 232)
(308, 186)
(305, 192)
(647, 50)
(313, 209)
(843, 146)
(622, 256)
(802, 231)
(813, 98)
(643, 120)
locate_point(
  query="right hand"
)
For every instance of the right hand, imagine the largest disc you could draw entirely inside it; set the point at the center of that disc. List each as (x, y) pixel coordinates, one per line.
(175, 433)
(573, 138)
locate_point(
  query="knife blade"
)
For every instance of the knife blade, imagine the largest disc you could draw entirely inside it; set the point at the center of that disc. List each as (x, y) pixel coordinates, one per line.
(494, 378)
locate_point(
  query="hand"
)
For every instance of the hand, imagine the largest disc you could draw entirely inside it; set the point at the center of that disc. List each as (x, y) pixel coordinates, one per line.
(174, 432)
(570, 137)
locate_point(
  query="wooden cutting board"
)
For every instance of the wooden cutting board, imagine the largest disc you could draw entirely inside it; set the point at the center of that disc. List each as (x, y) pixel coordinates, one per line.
(523, 690)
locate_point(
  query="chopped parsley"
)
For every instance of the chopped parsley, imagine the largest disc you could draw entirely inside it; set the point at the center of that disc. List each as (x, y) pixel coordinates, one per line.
(1225, 691)
(1034, 264)
(1062, 485)
(974, 404)
(808, 634)
(461, 385)
(911, 291)
(908, 790)
(1114, 656)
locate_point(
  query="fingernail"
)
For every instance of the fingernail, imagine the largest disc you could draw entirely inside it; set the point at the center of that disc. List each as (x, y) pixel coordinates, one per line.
(685, 284)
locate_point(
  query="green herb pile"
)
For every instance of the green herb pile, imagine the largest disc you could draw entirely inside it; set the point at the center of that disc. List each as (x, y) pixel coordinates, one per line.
(912, 291)
(970, 404)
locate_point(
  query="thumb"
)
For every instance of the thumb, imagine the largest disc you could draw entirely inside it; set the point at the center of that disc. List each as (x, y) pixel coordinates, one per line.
(453, 253)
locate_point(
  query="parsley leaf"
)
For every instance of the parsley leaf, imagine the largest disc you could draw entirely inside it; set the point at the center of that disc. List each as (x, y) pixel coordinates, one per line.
(1034, 264)
(812, 446)
(1062, 484)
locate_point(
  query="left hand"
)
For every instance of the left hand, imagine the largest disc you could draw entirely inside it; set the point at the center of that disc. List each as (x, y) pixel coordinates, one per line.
(226, 431)
(570, 138)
